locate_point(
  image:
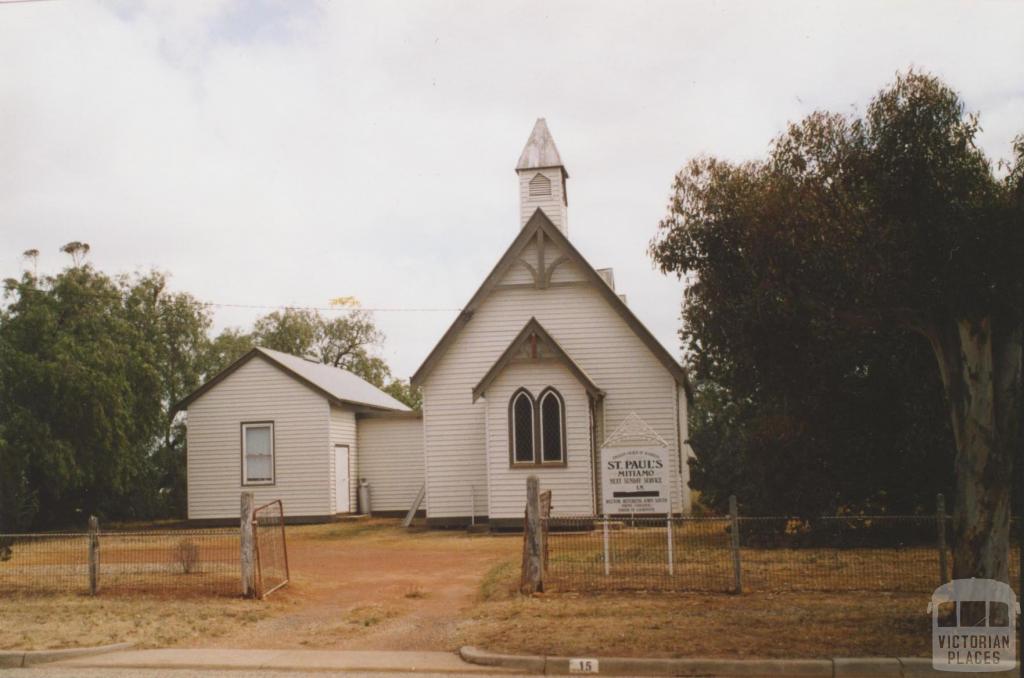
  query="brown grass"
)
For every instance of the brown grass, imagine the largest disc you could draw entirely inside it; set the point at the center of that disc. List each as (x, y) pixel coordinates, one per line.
(37, 622)
(795, 624)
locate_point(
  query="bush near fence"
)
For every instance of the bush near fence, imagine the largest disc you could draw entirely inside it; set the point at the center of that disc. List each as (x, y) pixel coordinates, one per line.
(179, 562)
(868, 553)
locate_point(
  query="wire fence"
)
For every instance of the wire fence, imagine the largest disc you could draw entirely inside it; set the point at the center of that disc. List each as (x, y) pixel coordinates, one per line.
(177, 562)
(870, 553)
(271, 548)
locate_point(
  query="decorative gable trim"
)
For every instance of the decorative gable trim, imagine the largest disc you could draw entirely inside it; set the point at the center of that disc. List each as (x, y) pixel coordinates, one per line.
(531, 337)
(634, 429)
(539, 223)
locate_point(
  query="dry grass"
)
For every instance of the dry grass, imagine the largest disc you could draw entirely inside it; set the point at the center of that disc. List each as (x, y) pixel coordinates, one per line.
(37, 622)
(696, 624)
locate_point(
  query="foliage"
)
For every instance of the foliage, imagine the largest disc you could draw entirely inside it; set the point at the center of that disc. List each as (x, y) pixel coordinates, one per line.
(186, 553)
(807, 270)
(346, 341)
(90, 368)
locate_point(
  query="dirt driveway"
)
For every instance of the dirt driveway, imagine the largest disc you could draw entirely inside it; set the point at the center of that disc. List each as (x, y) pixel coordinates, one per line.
(370, 584)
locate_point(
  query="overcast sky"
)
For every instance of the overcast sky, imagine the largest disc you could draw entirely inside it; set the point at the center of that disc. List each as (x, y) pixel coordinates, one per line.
(286, 153)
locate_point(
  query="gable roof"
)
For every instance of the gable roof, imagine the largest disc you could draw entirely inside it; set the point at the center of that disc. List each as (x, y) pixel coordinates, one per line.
(540, 150)
(534, 328)
(540, 222)
(339, 386)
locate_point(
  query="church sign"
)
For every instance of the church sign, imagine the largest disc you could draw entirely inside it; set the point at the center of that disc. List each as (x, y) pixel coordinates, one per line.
(634, 480)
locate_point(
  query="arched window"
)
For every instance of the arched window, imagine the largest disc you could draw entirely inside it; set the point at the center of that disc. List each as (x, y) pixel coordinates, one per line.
(552, 427)
(521, 426)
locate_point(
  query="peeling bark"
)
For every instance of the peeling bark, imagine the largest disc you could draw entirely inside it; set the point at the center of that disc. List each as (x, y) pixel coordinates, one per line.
(980, 364)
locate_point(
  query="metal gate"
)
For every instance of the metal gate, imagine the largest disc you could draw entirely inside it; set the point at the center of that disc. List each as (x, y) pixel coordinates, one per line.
(271, 548)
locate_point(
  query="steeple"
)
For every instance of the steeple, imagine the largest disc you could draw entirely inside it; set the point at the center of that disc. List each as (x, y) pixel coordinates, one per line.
(542, 179)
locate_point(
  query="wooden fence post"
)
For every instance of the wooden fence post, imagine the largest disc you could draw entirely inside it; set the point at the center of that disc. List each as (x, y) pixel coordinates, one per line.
(94, 555)
(532, 579)
(940, 524)
(734, 528)
(248, 544)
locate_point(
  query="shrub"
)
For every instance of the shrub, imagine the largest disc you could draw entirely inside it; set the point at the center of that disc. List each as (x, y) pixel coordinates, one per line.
(187, 552)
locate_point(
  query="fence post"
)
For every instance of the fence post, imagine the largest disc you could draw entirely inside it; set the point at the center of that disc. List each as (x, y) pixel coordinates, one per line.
(533, 572)
(94, 555)
(734, 528)
(671, 550)
(248, 546)
(940, 524)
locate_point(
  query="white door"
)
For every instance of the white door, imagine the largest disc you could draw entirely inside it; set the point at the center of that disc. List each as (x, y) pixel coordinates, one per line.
(341, 478)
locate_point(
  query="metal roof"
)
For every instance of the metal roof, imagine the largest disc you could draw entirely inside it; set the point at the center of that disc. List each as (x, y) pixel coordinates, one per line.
(540, 150)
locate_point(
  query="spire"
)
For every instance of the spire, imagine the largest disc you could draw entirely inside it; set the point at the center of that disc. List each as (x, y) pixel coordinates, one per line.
(542, 179)
(540, 150)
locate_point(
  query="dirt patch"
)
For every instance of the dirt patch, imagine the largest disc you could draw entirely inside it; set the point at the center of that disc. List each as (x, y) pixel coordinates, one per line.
(371, 585)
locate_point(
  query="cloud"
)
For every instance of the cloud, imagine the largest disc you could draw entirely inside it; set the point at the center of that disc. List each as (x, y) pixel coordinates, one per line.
(287, 153)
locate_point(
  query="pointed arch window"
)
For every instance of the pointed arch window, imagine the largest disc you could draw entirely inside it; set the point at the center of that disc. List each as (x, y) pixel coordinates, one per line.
(521, 420)
(537, 428)
(552, 427)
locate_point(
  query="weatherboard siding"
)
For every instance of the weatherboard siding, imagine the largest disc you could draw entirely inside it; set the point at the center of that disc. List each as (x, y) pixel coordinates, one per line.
(571, 485)
(343, 432)
(590, 331)
(258, 391)
(554, 205)
(391, 460)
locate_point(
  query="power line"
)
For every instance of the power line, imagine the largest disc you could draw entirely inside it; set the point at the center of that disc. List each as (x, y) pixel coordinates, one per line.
(265, 307)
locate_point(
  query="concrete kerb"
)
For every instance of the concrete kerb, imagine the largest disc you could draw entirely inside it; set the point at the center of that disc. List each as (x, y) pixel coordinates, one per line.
(22, 658)
(816, 668)
(825, 668)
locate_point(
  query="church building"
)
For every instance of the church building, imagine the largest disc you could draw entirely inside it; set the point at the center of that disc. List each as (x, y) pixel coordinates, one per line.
(545, 360)
(543, 365)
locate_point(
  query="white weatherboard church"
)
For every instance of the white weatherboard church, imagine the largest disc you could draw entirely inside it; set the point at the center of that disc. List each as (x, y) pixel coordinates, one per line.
(544, 362)
(543, 365)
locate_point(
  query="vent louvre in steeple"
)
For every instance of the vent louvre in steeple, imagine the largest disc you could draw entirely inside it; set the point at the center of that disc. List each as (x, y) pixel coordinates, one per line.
(540, 186)
(542, 179)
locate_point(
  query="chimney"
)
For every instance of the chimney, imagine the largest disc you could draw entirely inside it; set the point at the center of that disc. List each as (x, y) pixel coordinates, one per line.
(542, 179)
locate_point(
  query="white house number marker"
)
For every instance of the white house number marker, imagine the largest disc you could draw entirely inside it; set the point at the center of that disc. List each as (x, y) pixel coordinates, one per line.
(582, 665)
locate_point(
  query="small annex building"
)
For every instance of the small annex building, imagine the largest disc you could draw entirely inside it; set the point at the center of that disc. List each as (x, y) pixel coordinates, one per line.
(288, 428)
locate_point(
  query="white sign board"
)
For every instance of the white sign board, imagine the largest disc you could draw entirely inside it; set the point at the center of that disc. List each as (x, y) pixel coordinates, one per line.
(634, 479)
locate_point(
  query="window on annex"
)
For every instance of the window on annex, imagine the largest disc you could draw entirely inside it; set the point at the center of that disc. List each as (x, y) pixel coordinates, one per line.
(521, 420)
(258, 453)
(552, 427)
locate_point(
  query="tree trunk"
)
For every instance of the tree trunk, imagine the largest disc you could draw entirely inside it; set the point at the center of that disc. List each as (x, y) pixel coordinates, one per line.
(980, 362)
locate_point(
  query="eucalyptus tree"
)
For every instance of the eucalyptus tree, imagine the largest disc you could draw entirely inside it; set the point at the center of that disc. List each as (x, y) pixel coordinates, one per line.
(893, 220)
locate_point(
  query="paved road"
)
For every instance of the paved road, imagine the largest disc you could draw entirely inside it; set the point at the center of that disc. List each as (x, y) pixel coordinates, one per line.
(73, 672)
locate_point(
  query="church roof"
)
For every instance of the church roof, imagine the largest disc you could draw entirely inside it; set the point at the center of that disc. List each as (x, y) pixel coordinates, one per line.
(540, 222)
(337, 385)
(540, 150)
(533, 330)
